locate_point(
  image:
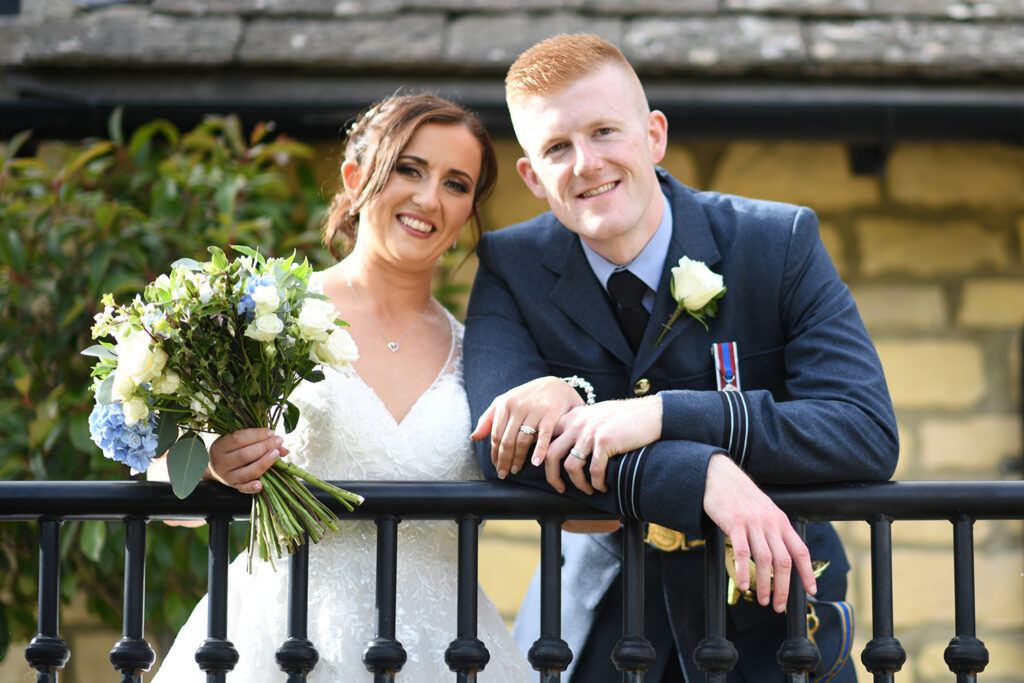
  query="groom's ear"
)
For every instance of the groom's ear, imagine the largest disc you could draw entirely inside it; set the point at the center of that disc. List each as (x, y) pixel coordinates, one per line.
(529, 177)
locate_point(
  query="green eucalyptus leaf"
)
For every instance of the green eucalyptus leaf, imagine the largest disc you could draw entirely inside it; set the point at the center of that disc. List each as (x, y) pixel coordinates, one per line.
(187, 264)
(92, 538)
(101, 351)
(186, 462)
(166, 432)
(315, 376)
(105, 389)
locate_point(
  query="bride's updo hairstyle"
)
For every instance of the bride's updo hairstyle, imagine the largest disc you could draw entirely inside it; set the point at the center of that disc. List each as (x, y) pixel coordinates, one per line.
(375, 141)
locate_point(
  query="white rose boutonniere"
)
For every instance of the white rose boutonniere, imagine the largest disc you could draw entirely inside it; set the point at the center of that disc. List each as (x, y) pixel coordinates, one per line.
(696, 290)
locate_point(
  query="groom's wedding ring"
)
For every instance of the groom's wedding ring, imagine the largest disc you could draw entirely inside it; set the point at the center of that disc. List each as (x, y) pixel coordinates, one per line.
(527, 430)
(576, 454)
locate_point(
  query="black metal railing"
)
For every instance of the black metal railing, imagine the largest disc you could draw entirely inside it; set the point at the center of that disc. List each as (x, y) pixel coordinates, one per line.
(136, 503)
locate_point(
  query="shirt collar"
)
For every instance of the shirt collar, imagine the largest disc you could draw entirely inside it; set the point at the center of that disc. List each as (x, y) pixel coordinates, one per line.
(647, 265)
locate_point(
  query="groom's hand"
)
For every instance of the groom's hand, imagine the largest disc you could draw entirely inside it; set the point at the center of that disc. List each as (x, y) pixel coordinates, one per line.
(535, 406)
(589, 435)
(759, 530)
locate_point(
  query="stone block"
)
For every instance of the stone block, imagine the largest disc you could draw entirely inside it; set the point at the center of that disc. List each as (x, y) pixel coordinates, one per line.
(493, 6)
(279, 7)
(474, 40)
(511, 202)
(945, 375)
(132, 37)
(682, 164)
(846, 8)
(897, 46)
(1020, 235)
(713, 45)
(509, 553)
(1005, 663)
(969, 447)
(928, 248)
(923, 588)
(15, 41)
(992, 304)
(909, 308)
(408, 40)
(907, 463)
(934, 534)
(688, 7)
(781, 171)
(939, 175)
(832, 238)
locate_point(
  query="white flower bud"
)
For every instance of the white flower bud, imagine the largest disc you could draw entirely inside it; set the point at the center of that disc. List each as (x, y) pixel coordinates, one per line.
(338, 351)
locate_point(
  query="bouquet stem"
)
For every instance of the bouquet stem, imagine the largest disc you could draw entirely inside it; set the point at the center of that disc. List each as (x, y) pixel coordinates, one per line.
(285, 510)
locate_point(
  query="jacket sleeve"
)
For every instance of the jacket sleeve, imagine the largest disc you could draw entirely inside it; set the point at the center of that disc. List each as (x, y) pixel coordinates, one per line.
(832, 418)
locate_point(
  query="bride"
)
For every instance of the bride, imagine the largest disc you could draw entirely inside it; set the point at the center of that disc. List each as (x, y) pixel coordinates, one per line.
(415, 171)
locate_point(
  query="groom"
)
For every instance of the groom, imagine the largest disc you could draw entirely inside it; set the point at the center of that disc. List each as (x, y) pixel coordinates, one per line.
(583, 292)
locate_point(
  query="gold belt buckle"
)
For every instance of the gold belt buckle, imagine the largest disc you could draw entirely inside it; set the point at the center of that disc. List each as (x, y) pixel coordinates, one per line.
(670, 540)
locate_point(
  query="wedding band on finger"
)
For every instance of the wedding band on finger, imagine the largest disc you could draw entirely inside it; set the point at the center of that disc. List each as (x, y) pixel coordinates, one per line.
(576, 454)
(527, 430)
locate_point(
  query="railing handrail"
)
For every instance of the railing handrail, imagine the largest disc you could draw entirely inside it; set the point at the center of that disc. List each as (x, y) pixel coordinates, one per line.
(905, 500)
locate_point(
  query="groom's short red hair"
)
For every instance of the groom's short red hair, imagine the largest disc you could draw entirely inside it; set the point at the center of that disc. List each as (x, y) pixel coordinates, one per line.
(553, 64)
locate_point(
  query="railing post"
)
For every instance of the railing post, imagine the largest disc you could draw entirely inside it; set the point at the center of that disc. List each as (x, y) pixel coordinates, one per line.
(715, 654)
(883, 655)
(633, 655)
(297, 656)
(384, 655)
(966, 654)
(217, 655)
(466, 655)
(549, 654)
(132, 655)
(47, 653)
(798, 656)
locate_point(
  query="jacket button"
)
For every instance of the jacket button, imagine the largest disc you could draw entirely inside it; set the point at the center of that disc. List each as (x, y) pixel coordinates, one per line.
(642, 386)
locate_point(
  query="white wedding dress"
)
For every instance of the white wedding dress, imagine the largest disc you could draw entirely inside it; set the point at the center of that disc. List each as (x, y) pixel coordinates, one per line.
(345, 433)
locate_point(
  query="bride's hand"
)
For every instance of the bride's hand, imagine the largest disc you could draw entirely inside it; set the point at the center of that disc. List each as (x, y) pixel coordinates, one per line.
(240, 458)
(537, 405)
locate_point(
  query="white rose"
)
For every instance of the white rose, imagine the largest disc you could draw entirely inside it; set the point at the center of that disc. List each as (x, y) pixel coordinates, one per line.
(122, 388)
(264, 328)
(135, 410)
(316, 317)
(694, 285)
(137, 360)
(338, 351)
(266, 299)
(166, 383)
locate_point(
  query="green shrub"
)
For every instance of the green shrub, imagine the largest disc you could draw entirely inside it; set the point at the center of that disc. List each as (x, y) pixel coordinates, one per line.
(79, 220)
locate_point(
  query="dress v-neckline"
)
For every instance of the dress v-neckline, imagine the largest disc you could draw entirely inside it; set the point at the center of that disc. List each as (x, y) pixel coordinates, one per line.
(445, 370)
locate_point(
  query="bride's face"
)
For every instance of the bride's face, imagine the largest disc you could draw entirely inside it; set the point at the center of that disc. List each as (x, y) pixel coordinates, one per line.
(428, 198)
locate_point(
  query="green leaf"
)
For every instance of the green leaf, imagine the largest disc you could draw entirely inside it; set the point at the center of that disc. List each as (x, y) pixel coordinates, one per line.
(186, 463)
(105, 389)
(16, 250)
(291, 416)
(92, 538)
(16, 142)
(166, 433)
(79, 433)
(247, 251)
(220, 261)
(315, 376)
(114, 128)
(101, 351)
(187, 264)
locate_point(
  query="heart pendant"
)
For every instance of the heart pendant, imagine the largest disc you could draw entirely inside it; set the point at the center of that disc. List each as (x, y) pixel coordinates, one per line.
(393, 346)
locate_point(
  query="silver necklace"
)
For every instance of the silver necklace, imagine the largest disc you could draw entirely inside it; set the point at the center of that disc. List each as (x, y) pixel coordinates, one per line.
(393, 346)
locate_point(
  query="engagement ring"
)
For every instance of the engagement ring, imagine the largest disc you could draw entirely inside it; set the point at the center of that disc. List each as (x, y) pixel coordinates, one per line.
(527, 430)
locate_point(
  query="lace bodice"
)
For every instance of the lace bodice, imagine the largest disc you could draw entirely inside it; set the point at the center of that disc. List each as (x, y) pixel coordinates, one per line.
(346, 433)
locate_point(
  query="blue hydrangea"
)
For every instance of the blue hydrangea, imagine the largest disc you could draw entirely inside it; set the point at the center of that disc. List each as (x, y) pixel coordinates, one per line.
(134, 445)
(246, 306)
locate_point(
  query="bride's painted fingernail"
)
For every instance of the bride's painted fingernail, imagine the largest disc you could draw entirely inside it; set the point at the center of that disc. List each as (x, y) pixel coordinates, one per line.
(501, 474)
(256, 487)
(274, 454)
(514, 469)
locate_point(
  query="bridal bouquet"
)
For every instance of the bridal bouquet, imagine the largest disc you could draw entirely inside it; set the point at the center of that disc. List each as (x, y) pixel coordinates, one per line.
(215, 347)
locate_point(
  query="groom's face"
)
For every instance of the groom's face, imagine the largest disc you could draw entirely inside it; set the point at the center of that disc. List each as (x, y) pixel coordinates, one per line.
(590, 152)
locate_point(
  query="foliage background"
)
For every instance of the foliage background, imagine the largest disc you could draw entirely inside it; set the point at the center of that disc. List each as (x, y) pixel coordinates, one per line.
(109, 215)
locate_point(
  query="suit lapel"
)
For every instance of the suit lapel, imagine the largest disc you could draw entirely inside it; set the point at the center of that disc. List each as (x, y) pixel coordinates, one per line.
(691, 236)
(579, 295)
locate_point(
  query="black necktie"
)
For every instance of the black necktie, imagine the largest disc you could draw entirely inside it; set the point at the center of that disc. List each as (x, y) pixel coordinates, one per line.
(628, 291)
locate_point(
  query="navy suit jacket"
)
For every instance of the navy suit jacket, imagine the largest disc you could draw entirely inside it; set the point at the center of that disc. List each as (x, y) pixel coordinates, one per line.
(814, 406)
